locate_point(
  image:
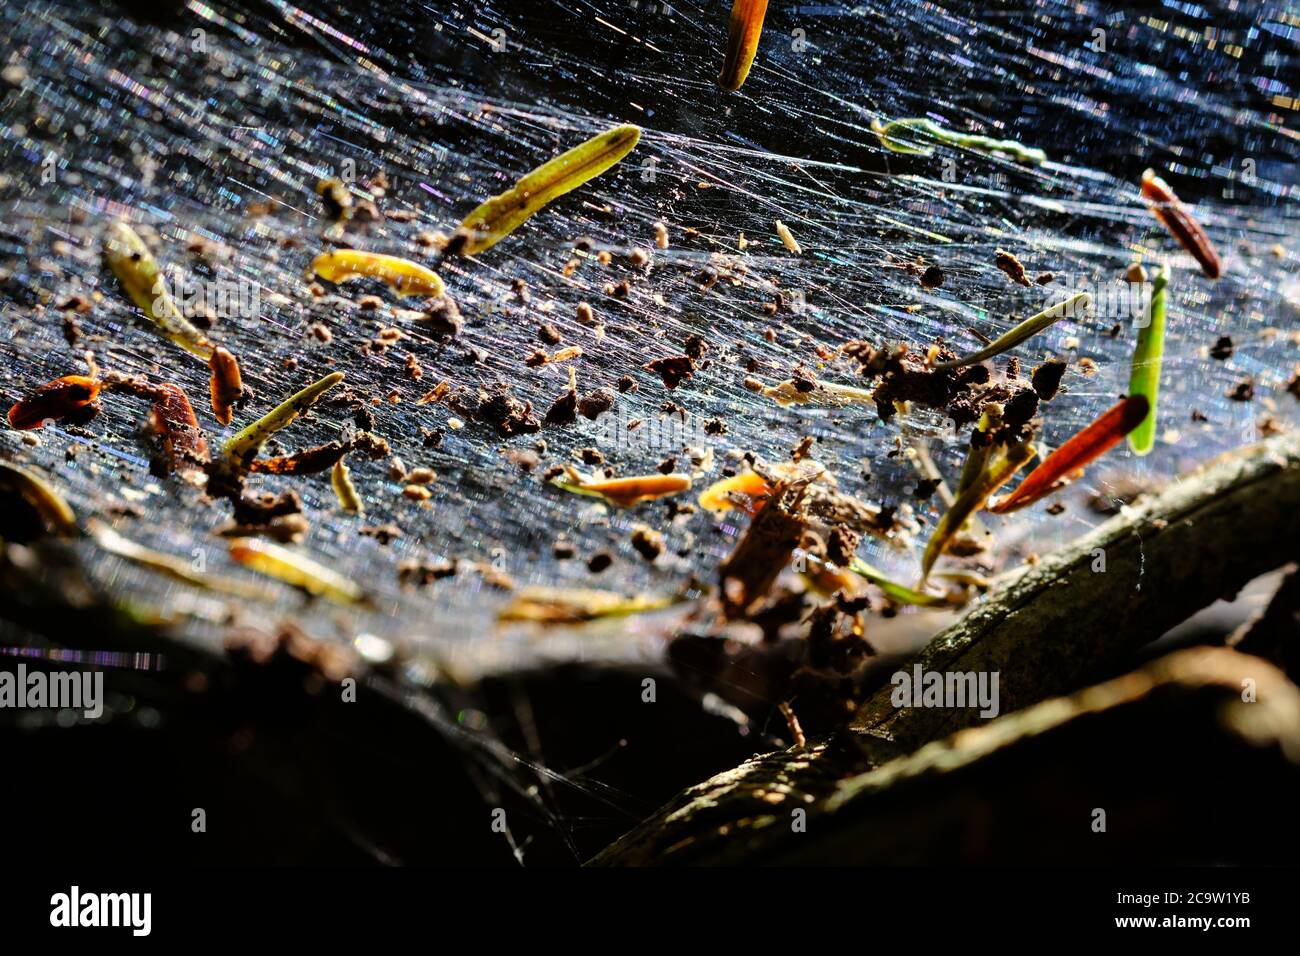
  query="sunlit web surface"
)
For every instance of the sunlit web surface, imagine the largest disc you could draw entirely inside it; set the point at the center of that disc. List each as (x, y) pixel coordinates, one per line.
(187, 133)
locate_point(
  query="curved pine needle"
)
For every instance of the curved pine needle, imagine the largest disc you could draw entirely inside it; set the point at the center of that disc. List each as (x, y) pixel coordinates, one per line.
(1072, 307)
(1086, 446)
(403, 276)
(1169, 209)
(543, 605)
(743, 32)
(41, 497)
(501, 215)
(1147, 357)
(137, 270)
(895, 591)
(243, 447)
(623, 492)
(292, 568)
(344, 489)
(931, 130)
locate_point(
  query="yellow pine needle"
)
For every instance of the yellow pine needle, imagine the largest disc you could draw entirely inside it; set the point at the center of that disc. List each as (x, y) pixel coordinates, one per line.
(137, 270)
(294, 569)
(501, 215)
(403, 276)
(545, 605)
(1072, 307)
(623, 492)
(243, 447)
(172, 566)
(933, 131)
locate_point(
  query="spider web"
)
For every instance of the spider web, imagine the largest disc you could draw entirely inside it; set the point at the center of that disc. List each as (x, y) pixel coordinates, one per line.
(185, 132)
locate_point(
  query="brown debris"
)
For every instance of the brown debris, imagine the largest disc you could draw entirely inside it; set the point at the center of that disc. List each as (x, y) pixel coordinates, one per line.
(1047, 378)
(648, 543)
(1011, 266)
(673, 370)
(750, 570)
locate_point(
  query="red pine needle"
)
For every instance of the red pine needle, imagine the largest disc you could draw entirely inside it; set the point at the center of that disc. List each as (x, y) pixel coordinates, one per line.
(1086, 446)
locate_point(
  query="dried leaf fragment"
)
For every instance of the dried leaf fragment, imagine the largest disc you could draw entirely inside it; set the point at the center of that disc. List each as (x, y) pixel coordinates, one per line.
(226, 385)
(72, 396)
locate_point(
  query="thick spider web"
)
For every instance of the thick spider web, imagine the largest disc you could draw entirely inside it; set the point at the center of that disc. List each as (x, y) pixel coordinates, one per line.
(184, 132)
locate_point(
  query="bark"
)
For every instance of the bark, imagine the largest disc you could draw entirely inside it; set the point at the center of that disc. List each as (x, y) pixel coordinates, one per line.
(1071, 780)
(1052, 630)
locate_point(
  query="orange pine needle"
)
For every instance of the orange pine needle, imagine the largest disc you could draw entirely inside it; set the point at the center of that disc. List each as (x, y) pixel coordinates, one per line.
(1086, 446)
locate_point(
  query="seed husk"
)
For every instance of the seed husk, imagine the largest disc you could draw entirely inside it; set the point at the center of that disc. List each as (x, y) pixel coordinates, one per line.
(138, 272)
(928, 129)
(1147, 357)
(226, 385)
(50, 506)
(623, 492)
(1072, 307)
(743, 32)
(787, 238)
(294, 569)
(345, 490)
(1086, 446)
(1169, 209)
(243, 447)
(501, 215)
(403, 276)
(173, 419)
